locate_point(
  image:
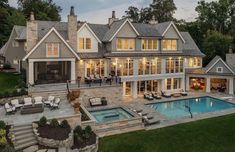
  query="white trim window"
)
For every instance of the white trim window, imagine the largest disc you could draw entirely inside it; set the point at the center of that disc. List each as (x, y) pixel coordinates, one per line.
(125, 44)
(149, 44)
(84, 43)
(52, 49)
(170, 45)
(219, 69)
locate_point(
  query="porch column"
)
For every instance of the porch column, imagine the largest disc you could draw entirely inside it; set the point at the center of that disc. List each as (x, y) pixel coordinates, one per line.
(163, 66)
(231, 89)
(182, 83)
(134, 89)
(106, 68)
(187, 83)
(163, 88)
(208, 85)
(135, 66)
(124, 89)
(73, 73)
(31, 72)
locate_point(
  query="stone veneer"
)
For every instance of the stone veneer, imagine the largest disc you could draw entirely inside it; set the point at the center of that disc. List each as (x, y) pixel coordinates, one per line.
(91, 148)
(51, 142)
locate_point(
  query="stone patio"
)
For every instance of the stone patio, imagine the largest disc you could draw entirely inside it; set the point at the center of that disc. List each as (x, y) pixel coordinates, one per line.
(65, 110)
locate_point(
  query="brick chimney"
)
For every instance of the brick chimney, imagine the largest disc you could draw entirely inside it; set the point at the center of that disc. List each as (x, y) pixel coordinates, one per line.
(113, 18)
(230, 58)
(32, 33)
(72, 28)
(153, 20)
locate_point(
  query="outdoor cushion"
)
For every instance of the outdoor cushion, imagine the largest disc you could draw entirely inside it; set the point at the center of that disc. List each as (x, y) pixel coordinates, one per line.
(7, 106)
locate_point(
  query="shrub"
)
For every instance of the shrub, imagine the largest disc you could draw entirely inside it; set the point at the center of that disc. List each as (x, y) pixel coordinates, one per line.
(2, 125)
(23, 91)
(8, 148)
(87, 132)
(42, 122)
(65, 124)
(78, 130)
(6, 94)
(2, 133)
(54, 123)
(14, 93)
(7, 66)
(3, 141)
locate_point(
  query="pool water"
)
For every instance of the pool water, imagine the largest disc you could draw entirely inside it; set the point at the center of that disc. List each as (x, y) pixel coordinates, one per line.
(108, 115)
(179, 108)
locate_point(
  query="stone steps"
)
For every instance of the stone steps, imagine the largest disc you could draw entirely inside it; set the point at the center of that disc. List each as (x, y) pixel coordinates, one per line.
(23, 136)
(45, 94)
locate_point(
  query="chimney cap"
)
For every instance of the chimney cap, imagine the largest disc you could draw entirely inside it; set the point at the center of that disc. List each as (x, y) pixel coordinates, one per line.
(113, 14)
(32, 18)
(72, 10)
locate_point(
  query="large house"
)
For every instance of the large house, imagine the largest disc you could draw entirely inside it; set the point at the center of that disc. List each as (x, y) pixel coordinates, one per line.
(146, 57)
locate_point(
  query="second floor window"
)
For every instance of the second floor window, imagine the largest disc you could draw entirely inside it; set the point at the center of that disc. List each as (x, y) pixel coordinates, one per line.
(52, 49)
(125, 44)
(84, 43)
(149, 44)
(169, 45)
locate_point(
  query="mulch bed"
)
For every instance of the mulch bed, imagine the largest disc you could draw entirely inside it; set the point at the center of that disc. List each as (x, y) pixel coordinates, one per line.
(90, 141)
(57, 133)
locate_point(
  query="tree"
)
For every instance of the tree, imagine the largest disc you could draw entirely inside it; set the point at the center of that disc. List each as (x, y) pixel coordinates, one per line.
(216, 44)
(43, 9)
(163, 10)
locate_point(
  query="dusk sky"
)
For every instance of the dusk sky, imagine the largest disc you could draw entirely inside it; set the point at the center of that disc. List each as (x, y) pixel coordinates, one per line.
(98, 11)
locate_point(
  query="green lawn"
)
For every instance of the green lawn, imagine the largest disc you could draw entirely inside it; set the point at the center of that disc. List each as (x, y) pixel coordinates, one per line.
(8, 82)
(210, 135)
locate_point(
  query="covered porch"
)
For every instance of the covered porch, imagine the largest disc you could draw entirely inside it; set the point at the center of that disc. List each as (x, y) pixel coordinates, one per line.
(49, 71)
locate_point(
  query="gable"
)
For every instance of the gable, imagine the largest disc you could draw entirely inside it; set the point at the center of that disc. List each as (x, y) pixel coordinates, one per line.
(126, 31)
(171, 33)
(85, 32)
(219, 63)
(40, 51)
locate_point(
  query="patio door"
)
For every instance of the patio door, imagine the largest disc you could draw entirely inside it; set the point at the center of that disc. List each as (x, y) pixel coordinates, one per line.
(128, 89)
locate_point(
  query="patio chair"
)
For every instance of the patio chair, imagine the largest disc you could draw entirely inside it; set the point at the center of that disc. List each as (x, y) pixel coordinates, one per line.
(136, 110)
(28, 102)
(55, 105)
(16, 103)
(49, 100)
(9, 109)
(184, 93)
(95, 102)
(148, 96)
(166, 95)
(156, 96)
(38, 100)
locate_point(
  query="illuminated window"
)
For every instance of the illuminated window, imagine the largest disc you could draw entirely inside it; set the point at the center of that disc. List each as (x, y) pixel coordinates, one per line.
(125, 44)
(176, 84)
(168, 85)
(52, 49)
(149, 44)
(169, 44)
(84, 43)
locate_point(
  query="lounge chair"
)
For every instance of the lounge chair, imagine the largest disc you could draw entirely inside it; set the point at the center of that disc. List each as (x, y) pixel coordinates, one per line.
(184, 93)
(166, 95)
(38, 100)
(9, 109)
(137, 110)
(49, 100)
(15, 103)
(28, 102)
(55, 105)
(156, 96)
(150, 121)
(148, 96)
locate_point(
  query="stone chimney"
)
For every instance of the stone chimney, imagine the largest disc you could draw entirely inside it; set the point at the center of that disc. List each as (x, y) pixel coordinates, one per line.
(72, 29)
(32, 33)
(230, 58)
(113, 18)
(153, 20)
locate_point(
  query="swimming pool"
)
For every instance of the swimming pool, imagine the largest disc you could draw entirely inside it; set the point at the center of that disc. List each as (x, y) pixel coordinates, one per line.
(111, 114)
(180, 108)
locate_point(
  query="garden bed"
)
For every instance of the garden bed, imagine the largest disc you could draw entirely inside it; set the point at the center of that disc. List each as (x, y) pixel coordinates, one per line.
(5, 141)
(81, 144)
(56, 133)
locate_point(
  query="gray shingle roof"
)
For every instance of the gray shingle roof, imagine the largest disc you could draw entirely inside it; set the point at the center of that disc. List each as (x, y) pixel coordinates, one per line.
(212, 62)
(146, 30)
(2, 50)
(99, 29)
(161, 27)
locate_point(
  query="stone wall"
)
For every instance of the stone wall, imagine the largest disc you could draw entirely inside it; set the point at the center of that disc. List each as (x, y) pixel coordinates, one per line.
(91, 148)
(51, 142)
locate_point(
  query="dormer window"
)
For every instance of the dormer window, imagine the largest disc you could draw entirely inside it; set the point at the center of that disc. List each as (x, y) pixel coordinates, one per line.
(149, 44)
(125, 44)
(219, 69)
(169, 45)
(84, 43)
(52, 49)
